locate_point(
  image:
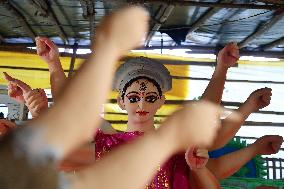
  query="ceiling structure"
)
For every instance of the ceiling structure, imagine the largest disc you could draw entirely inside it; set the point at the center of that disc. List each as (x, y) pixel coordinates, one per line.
(202, 26)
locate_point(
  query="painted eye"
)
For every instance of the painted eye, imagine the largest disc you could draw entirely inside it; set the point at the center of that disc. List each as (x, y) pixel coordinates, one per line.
(151, 98)
(133, 99)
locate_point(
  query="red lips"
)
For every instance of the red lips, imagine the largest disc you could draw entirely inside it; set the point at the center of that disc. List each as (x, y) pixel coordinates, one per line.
(142, 113)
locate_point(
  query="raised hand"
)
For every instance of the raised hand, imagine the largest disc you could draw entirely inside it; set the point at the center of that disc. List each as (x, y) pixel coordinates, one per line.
(112, 30)
(36, 101)
(47, 50)
(5, 127)
(189, 128)
(16, 88)
(196, 158)
(260, 98)
(228, 56)
(268, 144)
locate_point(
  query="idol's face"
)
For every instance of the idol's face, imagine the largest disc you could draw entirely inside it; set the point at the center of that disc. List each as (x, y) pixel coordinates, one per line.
(142, 100)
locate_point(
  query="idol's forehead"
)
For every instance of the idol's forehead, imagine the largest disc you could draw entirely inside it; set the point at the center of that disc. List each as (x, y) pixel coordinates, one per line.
(142, 85)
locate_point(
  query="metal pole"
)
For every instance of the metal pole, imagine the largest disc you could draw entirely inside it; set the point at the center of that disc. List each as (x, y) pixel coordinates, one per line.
(72, 63)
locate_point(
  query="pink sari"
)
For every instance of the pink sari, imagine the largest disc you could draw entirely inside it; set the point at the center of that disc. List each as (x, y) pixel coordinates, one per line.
(172, 174)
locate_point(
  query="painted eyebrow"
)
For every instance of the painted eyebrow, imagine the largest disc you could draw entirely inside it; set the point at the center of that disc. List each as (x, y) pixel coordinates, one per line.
(132, 92)
(152, 93)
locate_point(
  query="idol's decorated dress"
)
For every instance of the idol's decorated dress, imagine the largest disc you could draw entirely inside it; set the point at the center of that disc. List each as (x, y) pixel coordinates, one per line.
(172, 174)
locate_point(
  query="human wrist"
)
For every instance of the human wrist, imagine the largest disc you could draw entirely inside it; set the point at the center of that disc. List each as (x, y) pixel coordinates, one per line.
(113, 52)
(54, 64)
(168, 136)
(250, 106)
(255, 149)
(36, 111)
(199, 170)
(34, 115)
(221, 69)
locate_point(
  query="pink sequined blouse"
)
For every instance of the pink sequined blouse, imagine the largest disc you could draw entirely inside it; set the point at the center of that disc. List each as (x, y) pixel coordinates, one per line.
(173, 174)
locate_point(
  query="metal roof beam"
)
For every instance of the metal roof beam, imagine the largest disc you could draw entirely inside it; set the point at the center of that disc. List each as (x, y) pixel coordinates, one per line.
(88, 7)
(194, 49)
(219, 34)
(65, 17)
(211, 4)
(84, 7)
(161, 16)
(19, 17)
(264, 28)
(92, 28)
(46, 10)
(59, 29)
(273, 44)
(204, 17)
(2, 40)
(73, 58)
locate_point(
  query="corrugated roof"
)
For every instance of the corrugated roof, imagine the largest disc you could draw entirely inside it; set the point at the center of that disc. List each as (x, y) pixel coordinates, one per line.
(255, 25)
